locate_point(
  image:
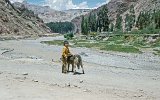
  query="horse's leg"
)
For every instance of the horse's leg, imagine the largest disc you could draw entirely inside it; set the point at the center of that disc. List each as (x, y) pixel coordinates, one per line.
(68, 67)
(62, 68)
(82, 67)
(78, 66)
(72, 67)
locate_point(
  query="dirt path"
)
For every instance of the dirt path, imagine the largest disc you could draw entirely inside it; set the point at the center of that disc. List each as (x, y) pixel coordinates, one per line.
(27, 72)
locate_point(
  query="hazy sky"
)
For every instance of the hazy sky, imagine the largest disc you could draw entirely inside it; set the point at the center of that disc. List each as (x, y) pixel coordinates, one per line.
(67, 4)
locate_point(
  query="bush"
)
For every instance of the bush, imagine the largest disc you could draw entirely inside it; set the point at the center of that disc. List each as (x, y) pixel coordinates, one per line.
(69, 36)
(150, 30)
(118, 32)
(121, 48)
(93, 33)
(135, 32)
(61, 27)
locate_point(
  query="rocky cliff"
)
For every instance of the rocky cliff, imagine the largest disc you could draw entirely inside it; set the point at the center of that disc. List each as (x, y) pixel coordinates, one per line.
(19, 22)
(51, 15)
(122, 7)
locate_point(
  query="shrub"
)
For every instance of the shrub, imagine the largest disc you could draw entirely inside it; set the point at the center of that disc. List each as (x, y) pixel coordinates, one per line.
(93, 33)
(118, 32)
(69, 36)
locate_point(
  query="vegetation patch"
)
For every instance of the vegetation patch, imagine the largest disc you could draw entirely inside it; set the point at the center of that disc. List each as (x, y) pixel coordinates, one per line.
(61, 27)
(69, 36)
(55, 42)
(157, 52)
(121, 48)
(156, 43)
(113, 44)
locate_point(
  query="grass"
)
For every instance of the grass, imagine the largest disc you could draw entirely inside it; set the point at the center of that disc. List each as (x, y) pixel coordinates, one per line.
(55, 42)
(87, 45)
(157, 52)
(101, 45)
(121, 48)
(128, 44)
(156, 43)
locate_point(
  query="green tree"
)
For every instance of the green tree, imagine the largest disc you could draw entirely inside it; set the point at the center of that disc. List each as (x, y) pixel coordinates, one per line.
(103, 20)
(157, 19)
(144, 20)
(92, 22)
(100, 21)
(86, 26)
(82, 25)
(61, 27)
(130, 19)
(118, 22)
(111, 27)
(93, 27)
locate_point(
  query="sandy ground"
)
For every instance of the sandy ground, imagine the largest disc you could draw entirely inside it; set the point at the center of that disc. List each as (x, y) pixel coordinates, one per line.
(28, 73)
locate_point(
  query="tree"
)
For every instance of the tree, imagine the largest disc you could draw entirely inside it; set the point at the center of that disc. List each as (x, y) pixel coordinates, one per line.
(130, 19)
(61, 27)
(127, 23)
(119, 22)
(111, 27)
(82, 25)
(100, 21)
(86, 26)
(90, 22)
(93, 27)
(144, 20)
(103, 20)
(157, 19)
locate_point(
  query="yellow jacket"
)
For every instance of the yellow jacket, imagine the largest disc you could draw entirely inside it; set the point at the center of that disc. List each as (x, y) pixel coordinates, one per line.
(65, 52)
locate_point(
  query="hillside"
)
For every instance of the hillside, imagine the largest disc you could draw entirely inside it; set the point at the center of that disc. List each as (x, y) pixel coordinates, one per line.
(122, 7)
(51, 15)
(19, 22)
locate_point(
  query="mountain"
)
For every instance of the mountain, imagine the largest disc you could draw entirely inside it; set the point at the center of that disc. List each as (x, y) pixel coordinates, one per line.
(122, 7)
(19, 22)
(51, 15)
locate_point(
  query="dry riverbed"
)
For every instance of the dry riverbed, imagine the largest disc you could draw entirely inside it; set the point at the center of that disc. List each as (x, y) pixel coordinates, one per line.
(27, 72)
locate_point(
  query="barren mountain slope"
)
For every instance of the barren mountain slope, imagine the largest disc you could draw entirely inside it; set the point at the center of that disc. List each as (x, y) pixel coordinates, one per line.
(18, 22)
(51, 15)
(122, 7)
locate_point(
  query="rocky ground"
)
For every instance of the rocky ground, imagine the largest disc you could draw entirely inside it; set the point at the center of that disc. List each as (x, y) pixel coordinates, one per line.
(28, 72)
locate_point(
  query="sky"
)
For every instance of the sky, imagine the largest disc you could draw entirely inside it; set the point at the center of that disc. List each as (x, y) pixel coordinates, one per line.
(67, 4)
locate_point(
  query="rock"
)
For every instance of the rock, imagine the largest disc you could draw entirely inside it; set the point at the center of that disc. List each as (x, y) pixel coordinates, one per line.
(86, 90)
(75, 85)
(25, 74)
(35, 80)
(81, 81)
(55, 84)
(140, 95)
(105, 39)
(21, 81)
(137, 95)
(83, 54)
(67, 85)
(140, 90)
(20, 78)
(154, 79)
(30, 23)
